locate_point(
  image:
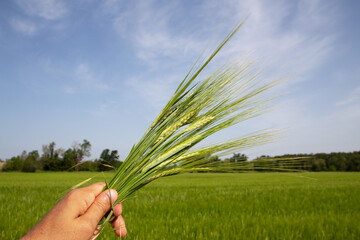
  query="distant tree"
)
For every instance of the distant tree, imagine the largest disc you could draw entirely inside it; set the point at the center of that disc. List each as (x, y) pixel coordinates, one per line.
(29, 165)
(335, 161)
(236, 158)
(211, 158)
(49, 150)
(332, 168)
(31, 162)
(89, 166)
(2, 164)
(34, 155)
(109, 160)
(318, 164)
(23, 155)
(354, 161)
(13, 164)
(17, 163)
(239, 157)
(69, 159)
(51, 157)
(82, 150)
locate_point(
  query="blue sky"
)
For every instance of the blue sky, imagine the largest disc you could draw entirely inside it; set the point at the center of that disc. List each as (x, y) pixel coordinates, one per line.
(102, 70)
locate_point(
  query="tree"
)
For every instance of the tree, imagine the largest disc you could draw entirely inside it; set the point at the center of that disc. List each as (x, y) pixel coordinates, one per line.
(108, 159)
(318, 164)
(50, 157)
(31, 161)
(14, 164)
(23, 155)
(34, 155)
(2, 164)
(236, 158)
(239, 157)
(28, 166)
(69, 159)
(81, 151)
(49, 150)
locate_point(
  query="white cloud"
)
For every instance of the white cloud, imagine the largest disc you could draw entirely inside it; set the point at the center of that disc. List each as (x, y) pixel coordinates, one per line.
(284, 33)
(86, 76)
(294, 37)
(86, 79)
(148, 26)
(291, 35)
(24, 27)
(47, 9)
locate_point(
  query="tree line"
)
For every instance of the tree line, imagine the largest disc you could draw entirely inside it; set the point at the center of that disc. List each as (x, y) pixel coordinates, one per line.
(335, 161)
(53, 159)
(72, 159)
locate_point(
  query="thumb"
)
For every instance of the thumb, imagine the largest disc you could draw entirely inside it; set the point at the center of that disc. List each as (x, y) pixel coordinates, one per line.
(100, 206)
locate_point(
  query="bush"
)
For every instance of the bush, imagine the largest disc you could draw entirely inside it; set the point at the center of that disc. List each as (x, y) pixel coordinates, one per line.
(29, 166)
(89, 166)
(332, 168)
(14, 164)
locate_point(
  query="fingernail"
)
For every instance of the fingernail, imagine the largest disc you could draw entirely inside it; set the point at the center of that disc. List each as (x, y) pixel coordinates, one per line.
(113, 194)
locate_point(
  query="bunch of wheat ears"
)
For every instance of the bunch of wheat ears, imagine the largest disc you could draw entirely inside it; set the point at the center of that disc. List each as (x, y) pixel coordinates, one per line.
(232, 94)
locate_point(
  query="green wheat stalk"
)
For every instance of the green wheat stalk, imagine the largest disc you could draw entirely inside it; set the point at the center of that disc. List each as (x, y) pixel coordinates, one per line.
(232, 94)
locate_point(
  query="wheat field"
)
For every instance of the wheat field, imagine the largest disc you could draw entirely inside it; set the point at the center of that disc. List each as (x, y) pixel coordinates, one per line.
(204, 205)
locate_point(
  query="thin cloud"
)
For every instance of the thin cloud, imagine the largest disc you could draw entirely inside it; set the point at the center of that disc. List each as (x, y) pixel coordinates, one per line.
(46, 9)
(352, 98)
(283, 33)
(24, 27)
(86, 79)
(294, 36)
(147, 25)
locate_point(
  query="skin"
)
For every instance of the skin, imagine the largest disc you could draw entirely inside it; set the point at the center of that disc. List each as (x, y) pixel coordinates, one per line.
(77, 215)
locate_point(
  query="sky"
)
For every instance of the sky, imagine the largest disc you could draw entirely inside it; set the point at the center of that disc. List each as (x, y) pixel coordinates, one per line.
(103, 70)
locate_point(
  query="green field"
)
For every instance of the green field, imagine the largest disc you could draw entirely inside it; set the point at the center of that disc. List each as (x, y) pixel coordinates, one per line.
(204, 206)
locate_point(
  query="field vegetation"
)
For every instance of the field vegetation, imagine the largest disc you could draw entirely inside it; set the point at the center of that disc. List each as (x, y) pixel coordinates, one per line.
(58, 159)
(203, 205)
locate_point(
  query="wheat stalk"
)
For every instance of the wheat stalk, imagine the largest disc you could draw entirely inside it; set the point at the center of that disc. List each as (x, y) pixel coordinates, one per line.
(231, 95)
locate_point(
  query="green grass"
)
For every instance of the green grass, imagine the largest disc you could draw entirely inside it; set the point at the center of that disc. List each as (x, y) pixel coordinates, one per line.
(204, 206)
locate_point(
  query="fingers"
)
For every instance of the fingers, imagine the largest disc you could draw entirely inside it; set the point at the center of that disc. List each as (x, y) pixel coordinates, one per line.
(100, 206)
(79, 200)
(118, 210)
(119, 225)
(91, 204)
(95, 188)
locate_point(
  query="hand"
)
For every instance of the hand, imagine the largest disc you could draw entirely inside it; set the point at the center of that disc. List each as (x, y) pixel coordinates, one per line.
(77, 215)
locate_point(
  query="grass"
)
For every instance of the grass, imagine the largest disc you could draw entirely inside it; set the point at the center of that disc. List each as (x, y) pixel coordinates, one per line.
(204, 206)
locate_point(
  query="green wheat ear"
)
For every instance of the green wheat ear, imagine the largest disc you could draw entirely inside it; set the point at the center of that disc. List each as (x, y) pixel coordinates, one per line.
(232, 94)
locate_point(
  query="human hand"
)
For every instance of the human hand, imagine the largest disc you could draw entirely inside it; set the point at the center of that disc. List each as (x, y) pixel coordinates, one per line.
(77, 215)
